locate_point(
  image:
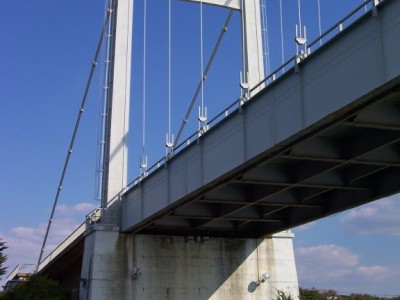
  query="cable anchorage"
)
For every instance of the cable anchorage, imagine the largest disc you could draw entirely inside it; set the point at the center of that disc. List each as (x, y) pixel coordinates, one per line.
(300, 39)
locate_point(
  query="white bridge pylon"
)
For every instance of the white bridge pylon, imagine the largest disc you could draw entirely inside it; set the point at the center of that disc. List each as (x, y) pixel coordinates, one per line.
(232, 4)
(252, 51)
(117, 122)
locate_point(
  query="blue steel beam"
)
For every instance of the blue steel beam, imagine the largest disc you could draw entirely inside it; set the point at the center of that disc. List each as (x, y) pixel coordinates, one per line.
(321, 139)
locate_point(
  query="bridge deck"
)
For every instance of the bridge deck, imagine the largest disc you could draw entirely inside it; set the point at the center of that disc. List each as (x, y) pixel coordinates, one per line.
(315, 142)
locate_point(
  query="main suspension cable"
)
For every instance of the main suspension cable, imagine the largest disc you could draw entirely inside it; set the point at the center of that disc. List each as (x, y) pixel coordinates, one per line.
(206, 70)
(77, 122)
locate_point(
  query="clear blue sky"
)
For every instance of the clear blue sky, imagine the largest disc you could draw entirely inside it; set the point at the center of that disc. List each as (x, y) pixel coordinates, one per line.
(47, 49)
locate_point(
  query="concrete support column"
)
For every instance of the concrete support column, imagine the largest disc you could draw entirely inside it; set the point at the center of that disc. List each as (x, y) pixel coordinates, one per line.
(281, 264)
(104, 273)
(130, 266)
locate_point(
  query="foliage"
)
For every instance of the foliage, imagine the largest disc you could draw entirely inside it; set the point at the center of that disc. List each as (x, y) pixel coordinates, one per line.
(3, 257)
(283, 296)
(311, 294)
(35, 288)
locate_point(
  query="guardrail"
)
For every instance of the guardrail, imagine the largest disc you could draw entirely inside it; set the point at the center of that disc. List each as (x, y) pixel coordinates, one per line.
(96, 216)
(99, 216)
(63, 245)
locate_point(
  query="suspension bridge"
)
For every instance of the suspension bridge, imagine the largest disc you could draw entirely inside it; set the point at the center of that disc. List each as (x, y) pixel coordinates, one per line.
(317, 135)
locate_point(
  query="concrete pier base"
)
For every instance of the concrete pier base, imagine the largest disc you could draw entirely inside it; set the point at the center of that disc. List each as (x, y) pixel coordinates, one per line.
(123, 266)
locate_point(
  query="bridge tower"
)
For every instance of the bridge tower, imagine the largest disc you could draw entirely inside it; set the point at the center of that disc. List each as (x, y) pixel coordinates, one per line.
(128, 266)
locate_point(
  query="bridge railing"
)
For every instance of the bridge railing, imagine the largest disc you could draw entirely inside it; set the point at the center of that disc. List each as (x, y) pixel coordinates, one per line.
(96, 216)
(350, 18)
(73, 237)
(100, 215)
(364, 8)
(367, 7)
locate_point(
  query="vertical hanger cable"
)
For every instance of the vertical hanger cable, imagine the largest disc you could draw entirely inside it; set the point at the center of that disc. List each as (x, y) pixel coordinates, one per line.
(201, 54)
(265, 37)
(319, 21)
(170, 139)
(282, 45)
(244, 76)
(143, 160)
(299, 12)
(169, 67)
(301, 35)
(202, 108)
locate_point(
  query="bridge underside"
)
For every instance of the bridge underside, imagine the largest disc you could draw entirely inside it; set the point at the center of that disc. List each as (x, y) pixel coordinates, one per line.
(324, 170)
(66, 267)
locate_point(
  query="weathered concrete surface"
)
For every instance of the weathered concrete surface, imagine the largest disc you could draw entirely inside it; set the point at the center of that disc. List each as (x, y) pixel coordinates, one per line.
(185, 268)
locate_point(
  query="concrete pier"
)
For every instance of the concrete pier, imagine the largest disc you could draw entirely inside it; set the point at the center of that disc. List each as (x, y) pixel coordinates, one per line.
(127, 266)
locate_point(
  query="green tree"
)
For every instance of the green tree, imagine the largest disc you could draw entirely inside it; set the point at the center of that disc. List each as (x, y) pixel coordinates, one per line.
(3, 257)
(35, 288)
(311, 294)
